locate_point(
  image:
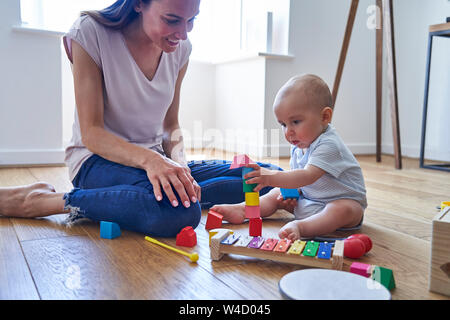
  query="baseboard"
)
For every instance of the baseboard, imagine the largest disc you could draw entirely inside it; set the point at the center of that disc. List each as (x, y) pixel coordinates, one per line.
(31, 157)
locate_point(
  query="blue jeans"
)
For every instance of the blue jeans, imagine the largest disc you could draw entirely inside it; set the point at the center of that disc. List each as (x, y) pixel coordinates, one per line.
(108, 191)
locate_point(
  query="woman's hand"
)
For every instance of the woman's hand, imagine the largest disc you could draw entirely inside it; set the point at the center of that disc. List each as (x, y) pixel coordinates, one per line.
(166, 173)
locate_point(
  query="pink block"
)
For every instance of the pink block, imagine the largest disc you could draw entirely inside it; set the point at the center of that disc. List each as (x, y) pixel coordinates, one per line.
(252, 212)
(362, 269)
(241, 160)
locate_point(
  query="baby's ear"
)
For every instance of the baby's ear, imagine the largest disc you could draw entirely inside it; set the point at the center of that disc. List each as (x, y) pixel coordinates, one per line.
(327, 114)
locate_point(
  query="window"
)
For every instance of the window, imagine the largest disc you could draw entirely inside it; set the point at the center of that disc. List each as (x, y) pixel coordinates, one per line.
(223, 28)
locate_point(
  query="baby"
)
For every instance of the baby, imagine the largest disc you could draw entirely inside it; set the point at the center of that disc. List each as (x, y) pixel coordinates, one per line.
(324, 170)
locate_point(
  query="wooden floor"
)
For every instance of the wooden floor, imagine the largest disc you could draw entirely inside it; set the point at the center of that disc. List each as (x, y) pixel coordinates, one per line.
(41, 259)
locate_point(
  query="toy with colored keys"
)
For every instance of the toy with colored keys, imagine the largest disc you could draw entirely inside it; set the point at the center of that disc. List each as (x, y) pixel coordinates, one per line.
(311, 253)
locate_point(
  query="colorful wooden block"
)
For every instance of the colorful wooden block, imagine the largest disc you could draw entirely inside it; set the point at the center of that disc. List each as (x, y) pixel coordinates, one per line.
(243, 241)
(297, 247)
(282, 245)
(252, 199)
(109, 230)
(232, 238)
(269, 244)
(311, 249)
(214, 220)
(289, 193)
(240, 160)
(439, 274)
(256, 242)
(247, 187)
(186, 237)
(252, 212)
(362, 269)
(324, 250)
(255, 227)
(384, 276)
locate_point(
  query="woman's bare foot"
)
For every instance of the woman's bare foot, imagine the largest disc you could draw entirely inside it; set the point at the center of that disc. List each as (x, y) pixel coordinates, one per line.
(233, 213)
(34, 200)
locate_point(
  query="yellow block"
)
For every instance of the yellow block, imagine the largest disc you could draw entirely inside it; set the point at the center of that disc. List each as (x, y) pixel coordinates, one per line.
(297, 247)
(252, 199)
(445, 204)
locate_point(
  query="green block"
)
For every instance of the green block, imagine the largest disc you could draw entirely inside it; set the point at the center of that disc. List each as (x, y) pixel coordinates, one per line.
(311, 249)
(248, 187)
(384, 276)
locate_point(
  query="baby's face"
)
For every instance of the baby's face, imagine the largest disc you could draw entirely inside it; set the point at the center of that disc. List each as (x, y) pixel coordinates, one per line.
(301, 122)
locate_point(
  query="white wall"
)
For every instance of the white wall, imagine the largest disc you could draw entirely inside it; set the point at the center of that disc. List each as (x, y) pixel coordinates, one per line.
(239, 94)
(30, 93)
(412, 19)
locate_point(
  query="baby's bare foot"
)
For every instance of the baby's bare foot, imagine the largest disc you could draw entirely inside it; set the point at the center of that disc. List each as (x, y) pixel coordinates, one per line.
(21, 201)
(233, 213)
(290, 231)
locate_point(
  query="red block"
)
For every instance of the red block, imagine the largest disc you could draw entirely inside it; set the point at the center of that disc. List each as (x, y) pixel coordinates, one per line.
(255, 227)
(214, 220)
(186, 237)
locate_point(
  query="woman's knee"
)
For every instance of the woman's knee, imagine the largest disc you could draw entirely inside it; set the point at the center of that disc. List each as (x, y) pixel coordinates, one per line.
(170, 220)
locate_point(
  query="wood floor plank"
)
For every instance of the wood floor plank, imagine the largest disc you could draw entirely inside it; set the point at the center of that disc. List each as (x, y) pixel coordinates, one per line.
(15, 278)
(398, 219)
(157, 273)
(74, 268)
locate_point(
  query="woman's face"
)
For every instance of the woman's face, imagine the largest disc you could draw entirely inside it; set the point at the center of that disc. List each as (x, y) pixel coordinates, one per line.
(166, 22)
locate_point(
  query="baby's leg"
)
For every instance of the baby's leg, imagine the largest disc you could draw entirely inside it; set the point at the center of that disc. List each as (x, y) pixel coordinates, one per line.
(235, 213)
(342, 213)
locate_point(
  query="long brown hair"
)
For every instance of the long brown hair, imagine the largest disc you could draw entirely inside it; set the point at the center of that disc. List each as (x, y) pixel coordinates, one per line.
(118, 15)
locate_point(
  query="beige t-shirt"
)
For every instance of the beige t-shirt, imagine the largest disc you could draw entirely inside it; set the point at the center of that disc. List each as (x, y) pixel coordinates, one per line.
(134, 107)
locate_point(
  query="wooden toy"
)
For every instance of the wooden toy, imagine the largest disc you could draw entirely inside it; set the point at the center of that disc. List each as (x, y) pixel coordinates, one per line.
(109, 230)
(252, 212)
(241, 160)
(214, 220)
(324, 251)
(256, 248)
(354, 248)
(247, 187)
(384, 276)
(282, 245)
(297, 247)
(269, 244)
(192, 256)
(364, 238)
(255, 227)
(289, 193)
(439, 279)
(186, 237)
(252, 199)
(362, 269)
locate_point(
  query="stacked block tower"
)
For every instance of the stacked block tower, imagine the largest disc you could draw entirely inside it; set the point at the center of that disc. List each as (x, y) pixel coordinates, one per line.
(252, 208)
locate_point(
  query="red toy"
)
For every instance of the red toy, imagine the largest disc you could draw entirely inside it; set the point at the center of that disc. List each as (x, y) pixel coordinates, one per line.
(214, 220)
(255, 227)
(364, 238)
(186, 237)
(357, 245)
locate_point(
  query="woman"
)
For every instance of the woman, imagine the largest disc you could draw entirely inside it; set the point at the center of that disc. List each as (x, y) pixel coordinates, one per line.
(128, 63)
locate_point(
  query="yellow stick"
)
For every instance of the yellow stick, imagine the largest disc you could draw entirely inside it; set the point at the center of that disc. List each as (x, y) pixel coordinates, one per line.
(192, 256)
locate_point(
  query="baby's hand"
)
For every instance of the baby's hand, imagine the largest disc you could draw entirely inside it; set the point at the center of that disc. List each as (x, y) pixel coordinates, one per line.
(290, 231)
(260, 176)
(288, 204)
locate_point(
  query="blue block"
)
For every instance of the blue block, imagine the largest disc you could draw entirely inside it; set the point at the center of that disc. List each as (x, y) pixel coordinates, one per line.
(109, 230)
(324, 250)
(289, 193)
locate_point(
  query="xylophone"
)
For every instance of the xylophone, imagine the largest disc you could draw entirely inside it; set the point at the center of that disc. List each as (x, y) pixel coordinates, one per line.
(307, 253)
